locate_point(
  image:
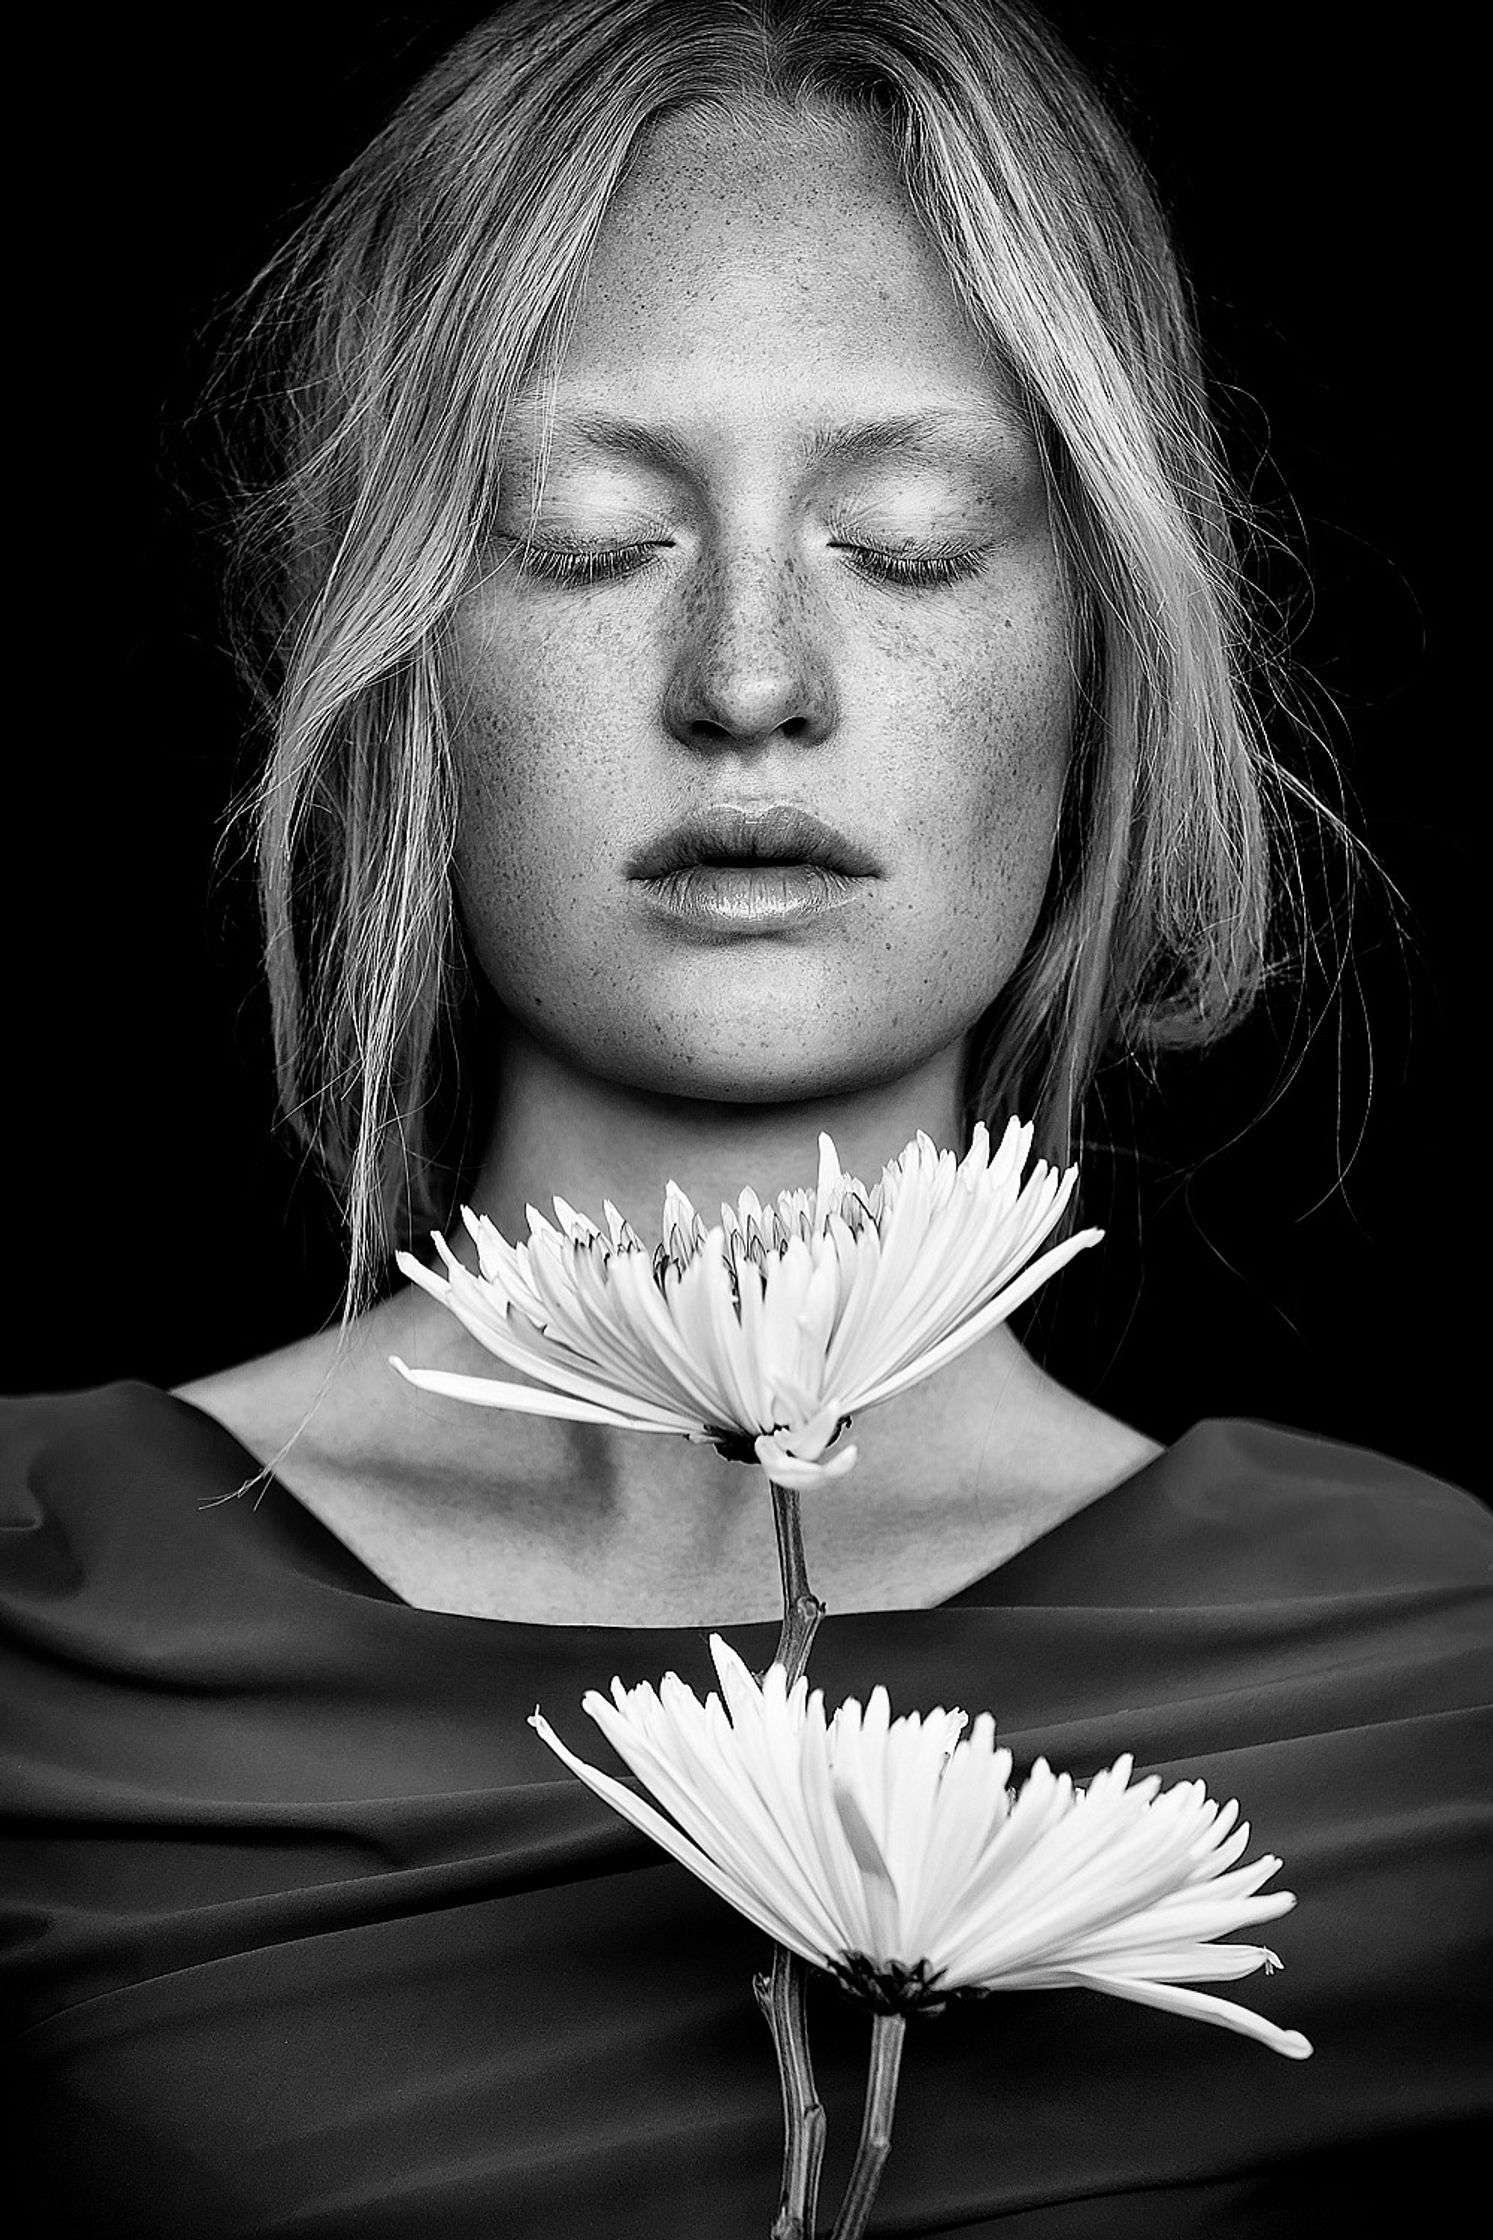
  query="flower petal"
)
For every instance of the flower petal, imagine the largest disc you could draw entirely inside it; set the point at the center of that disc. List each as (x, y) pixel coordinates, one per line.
(490, 1392)
(786, 1469)
(995, 1311)
(754, 1904)
(1200, 2006)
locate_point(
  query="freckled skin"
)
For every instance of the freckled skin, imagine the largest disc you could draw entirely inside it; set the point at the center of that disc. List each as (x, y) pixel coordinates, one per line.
(746, 287)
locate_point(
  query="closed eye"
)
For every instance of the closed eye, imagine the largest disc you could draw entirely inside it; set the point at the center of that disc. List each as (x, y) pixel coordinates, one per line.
(610, 563)
(924, 568)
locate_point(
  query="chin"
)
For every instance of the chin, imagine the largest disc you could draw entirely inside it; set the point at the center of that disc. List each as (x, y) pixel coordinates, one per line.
(756, 1069)
(763, 1040)
(735, 1077)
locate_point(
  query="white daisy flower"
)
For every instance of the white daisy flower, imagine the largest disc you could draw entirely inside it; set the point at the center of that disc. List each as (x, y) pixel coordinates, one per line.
(892, 1852)
(763, 1335)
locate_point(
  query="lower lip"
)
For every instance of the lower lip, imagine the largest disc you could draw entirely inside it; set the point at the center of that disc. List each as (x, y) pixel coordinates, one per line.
(726, 899)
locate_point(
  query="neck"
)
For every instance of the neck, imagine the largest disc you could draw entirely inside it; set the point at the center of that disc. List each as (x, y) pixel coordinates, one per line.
(558, 1130)
(664, 1519)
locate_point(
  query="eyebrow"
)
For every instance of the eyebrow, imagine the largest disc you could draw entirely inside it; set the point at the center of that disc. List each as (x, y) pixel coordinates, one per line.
(846, 443)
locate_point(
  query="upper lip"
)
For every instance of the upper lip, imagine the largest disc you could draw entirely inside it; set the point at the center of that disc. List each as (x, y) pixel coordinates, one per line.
(735, 832)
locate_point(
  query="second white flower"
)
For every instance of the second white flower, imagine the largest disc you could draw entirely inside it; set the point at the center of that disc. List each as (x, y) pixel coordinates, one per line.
(892, 1853)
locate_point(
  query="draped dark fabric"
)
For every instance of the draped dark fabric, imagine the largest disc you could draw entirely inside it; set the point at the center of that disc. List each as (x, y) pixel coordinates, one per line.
(307, 1934)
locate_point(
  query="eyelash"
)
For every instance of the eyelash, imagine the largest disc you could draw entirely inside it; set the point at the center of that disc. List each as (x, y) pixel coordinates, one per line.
(608, 565)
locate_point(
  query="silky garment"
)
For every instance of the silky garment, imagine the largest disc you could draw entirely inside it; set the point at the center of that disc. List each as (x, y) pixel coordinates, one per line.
(307, 1933)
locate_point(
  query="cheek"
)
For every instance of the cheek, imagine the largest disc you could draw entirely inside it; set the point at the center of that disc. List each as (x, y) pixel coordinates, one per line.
(511, 792)
(532, 765)
(1017, 803)
(1004, 726)
(518, 853)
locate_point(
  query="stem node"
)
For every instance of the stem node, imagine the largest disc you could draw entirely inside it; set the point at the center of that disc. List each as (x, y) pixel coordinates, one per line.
(802, 1609)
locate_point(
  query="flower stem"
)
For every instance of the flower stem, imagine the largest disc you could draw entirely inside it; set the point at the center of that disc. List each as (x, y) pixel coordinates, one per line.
(781, 1998)
(887, 2031)
(802, 1609)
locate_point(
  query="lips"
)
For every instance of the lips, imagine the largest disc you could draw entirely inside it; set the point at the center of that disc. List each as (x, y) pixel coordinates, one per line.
(738, 834)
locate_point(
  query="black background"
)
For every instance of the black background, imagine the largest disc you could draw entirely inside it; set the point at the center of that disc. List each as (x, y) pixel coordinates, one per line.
(1298, 1241)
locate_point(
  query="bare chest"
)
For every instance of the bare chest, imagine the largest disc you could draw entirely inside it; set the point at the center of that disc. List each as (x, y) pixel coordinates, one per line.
(515, 1546)
(503, 1566)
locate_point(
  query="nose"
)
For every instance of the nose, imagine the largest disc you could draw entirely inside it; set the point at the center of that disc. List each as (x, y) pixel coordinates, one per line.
(752, 663)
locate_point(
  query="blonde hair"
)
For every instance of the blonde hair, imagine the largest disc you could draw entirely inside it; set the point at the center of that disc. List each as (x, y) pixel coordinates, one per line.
(443, 269)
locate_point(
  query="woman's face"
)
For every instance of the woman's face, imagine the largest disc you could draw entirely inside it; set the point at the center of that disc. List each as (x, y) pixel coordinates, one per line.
(750, 290)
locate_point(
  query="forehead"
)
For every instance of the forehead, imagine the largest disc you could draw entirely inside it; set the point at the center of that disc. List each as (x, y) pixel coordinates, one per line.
(771, 271)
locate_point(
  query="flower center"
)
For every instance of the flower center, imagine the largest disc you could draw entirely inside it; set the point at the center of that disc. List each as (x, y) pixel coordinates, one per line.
(892, 1987)
(734, 1446)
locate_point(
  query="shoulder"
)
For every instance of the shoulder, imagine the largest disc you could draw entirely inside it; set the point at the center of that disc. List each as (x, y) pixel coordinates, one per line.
(133, 1451)
(107, 1498)
(263, 1402)
(1295, 1513)
(1346, 1509)
(330, 1395)
(52, 1440)
(1242, 1511)
(76, 1463)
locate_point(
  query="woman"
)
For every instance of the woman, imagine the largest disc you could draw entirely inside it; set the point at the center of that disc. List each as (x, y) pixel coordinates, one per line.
(714, 435)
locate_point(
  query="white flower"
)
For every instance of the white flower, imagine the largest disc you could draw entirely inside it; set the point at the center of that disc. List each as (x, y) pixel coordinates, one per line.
(891, 1852)
(766, 1334)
